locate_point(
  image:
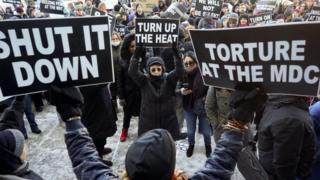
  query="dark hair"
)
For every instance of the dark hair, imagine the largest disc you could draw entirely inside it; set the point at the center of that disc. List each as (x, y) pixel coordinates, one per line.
(124, 50)
(192, 55)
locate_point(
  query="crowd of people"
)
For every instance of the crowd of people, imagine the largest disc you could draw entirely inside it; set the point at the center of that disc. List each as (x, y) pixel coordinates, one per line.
(164, 88)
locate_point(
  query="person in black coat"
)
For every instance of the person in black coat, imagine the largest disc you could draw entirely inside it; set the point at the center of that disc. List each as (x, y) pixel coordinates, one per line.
(98, 116)
(157, 93)
(128, 91)
(286, 138)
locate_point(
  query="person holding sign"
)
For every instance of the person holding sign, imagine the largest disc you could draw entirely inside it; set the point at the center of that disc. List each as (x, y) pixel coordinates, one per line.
(194, 94)
(158, 91)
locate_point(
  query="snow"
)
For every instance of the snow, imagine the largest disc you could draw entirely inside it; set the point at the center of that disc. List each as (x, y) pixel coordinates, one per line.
(49, 158)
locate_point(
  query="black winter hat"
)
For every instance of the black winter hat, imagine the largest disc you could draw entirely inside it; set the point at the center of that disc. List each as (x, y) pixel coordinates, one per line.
(152, 156)
(155, 60)
(12, 140)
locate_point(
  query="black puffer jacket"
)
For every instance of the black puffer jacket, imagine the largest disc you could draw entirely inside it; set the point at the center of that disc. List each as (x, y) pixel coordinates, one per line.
(286, 138)
(157, 105)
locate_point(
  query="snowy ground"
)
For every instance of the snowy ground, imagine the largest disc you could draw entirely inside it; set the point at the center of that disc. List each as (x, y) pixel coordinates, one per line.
(48, 156)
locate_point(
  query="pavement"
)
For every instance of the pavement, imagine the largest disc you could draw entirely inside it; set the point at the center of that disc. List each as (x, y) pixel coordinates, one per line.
(49, 158)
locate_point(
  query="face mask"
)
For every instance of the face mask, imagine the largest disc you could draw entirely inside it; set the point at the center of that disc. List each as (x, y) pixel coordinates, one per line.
(115, 43)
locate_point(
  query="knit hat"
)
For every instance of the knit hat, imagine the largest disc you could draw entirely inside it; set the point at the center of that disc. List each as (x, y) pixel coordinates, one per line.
(155, 60)
(12, 140)
(152, 156)
(314, 111)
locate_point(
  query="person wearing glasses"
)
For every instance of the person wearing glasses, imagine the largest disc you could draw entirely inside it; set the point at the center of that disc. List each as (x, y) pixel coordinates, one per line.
(157, 93)
(194, 93)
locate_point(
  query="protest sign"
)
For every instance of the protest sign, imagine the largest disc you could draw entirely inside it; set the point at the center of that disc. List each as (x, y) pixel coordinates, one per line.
(176, 11)
(112, 19)
(208, 8)
(266, 5)
(121, 29)
(12, 1)
(65, 52)
(284, 59)
(260, 19)
(156, 32)
(2, 98)
(315, 10)
(52, 6)
(313, 17)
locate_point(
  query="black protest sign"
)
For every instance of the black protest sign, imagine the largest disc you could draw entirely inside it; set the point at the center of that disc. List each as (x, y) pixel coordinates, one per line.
(121, 29)
(12, 1)
(315, 10)
(284, 59)
(208, 8)
(51, 6)
(266, 5)
(260, 19)
(112, 19)
(65, 52)
(156, 32)
(313, 17)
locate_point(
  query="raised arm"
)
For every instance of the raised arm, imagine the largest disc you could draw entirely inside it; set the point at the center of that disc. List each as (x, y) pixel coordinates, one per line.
(134, 68)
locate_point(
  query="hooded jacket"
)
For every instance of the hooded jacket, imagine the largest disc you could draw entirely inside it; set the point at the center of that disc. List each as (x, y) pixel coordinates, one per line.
(286, 138)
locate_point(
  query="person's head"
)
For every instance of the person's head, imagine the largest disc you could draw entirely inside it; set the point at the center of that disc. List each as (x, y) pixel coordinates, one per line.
(103, 7)
(19, 10)
(139, 9)
(192, 12)
(309, 4)
(88, 3)
(243, 8)
(189, 62)
(79, 9)
(115, 39)
(225, 9)
(128, 46)
(244, 20)
(155, 66)
(232, 20)
(12, 140)
(151, 156)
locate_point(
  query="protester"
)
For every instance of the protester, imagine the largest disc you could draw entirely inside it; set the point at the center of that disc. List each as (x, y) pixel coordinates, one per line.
(194, 93)
(128, 90)
(286, 138)
(13, 159)
(158, 91)
(98, 117)
(314, 112)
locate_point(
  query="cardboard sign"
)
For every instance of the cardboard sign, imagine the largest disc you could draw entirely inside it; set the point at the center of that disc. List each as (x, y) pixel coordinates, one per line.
(156, 32)
(266, 5)
(12, 1)
(260, 19)
(52, 6)
(208, 8)
(65, 52)
(284, 59)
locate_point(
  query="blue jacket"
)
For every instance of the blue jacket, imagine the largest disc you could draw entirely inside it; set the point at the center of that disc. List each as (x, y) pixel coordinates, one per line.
(86, 163)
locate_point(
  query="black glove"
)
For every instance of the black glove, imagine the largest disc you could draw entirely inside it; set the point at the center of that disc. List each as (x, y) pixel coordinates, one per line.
(243, 104)
(138, 53)
(66, 100)
(176, 52)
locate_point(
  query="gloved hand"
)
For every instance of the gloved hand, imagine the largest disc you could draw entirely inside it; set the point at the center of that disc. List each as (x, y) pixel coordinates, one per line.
(66, 100)
(243, 104)
(122, 102)
(138, 53)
